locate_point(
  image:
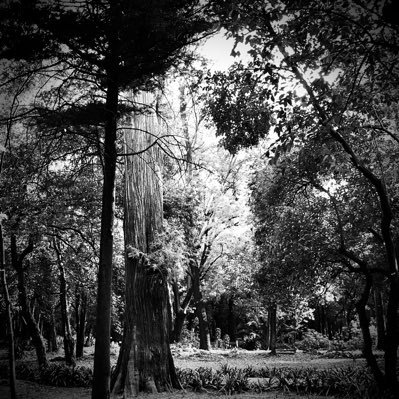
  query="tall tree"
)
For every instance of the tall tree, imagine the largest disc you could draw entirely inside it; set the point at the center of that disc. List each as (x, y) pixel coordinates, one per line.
(145, 361)
(349, 52)
(101, 48)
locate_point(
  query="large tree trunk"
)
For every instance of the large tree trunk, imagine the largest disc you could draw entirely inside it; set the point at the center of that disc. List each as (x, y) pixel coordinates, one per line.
(10, 329)
(33, 328)
(145, 362)
(102, 365)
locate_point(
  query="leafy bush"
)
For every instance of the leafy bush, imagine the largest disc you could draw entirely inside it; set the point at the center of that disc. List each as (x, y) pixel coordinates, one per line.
(53, 374)
(313, 341)
(228, 379)
(235, 380)
(61, 375)
(189, 337)
(28, 372)
(350, 382)
(200, 379)
(350, 339)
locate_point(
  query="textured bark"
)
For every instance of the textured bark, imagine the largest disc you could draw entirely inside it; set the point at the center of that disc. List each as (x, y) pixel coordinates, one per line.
(145, 362)
(10, 329)
(33, 328)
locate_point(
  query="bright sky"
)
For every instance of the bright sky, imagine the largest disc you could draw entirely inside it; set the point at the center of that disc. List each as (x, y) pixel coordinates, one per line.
(217, 49)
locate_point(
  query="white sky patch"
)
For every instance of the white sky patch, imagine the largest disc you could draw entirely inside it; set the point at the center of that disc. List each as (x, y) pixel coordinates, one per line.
(217, 49)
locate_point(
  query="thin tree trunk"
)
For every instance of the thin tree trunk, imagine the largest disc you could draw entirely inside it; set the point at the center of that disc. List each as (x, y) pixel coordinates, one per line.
(180, 310)
(81, 312)
(145, 362)
(379, 315)
(10, 329)
(186, 133)
(200, 310)
(88, 340)
(364, 325)
(266, 329)
(273, 328)
(52, 338)
(391, 337)
(69, 343)
(102, 365)
(33, 328)
(231, 320)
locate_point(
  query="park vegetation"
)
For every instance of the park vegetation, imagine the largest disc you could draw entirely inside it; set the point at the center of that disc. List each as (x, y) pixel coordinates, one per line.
(148, 200)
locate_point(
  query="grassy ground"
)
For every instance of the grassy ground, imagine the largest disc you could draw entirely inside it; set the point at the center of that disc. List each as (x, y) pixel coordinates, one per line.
(187, 358)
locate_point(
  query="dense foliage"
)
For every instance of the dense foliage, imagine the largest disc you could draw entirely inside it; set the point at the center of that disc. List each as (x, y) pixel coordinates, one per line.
(283, 235)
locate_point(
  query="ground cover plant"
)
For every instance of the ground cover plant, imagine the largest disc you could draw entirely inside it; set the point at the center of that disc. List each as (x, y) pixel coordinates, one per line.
(227, 372)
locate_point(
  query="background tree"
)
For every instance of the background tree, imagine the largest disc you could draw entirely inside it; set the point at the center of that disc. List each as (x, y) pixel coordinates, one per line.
(338, 74)
(104, 67)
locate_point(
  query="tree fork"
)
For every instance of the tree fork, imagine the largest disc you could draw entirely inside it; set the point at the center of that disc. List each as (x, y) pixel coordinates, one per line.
(34, 331)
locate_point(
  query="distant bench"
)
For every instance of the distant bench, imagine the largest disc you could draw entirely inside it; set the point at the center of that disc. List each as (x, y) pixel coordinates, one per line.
(286, 351)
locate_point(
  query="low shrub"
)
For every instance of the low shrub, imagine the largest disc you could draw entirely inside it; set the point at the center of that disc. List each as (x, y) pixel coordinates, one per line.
(54, 374)
(228, 379)
(312, 341)
(235, 380)
(61, 375)
(28, 372)
(349, 382)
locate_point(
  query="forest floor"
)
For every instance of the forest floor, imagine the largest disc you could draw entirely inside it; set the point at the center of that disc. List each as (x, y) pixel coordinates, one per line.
(187, 358)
